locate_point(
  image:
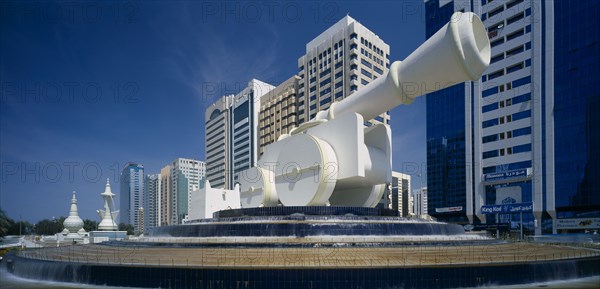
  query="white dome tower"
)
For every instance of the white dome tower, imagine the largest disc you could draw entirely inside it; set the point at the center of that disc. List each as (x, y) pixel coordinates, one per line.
(73, 224)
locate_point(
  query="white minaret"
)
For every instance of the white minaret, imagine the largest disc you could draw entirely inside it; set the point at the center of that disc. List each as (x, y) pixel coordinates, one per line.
(73, 224)
(108, 217)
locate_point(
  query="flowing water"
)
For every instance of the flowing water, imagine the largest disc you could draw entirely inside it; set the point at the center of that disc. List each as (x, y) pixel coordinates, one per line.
(9, 281)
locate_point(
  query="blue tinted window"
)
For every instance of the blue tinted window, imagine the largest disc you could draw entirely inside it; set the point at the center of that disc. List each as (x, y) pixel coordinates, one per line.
(489, 138)
(490, 154)
(489, 123)
(378, 70)
(521, 148)
(366, 73)
(489, 91)
(366, 63)
(521, 98)
(521, 115)
(521, 81)
(489, 107)
(522, 131)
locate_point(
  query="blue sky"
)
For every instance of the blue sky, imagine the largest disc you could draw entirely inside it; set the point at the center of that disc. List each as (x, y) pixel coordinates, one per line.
(87, 87)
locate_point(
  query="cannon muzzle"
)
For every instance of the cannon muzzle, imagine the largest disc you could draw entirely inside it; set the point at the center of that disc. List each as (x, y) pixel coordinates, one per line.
(458, 52)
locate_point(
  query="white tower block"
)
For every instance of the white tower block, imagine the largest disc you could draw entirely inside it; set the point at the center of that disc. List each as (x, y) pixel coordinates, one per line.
(334, 159)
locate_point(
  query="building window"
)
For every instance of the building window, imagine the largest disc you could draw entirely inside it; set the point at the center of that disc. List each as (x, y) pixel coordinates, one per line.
(353, 36)
(496, 74)
(496, 11)
(366, 73)
(490, 154)
(513, 3)
(353, 88)
(522, 148)
(497, 42)
(515, 34)
(489, 107)
(366, 63)
(515, 18)
(497, 58)
(514, 68)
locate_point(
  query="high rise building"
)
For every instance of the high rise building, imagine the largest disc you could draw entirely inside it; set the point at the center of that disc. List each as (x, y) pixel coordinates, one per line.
(141, 216)
(576, 61)
(131, 193)
(186, 174)
(152, 201)
(522, 133)
(448, 131)
(419, 201)
(164, 197)
(401, 182)
(338, 62)
(217, 140)
(278, 112)
(396, 196)
(232, 134)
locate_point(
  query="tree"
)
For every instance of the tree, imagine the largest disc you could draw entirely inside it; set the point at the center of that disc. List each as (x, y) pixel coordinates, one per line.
(49, 227)
(21, 227)
(5, 223)
(126, 227)
(90, 225)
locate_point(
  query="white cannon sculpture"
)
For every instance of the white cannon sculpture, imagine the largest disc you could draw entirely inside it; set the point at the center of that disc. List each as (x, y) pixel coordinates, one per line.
(334, 159)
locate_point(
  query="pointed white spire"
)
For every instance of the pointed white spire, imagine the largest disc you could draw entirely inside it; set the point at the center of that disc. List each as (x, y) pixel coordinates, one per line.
(107, 191)
(73, 212)
(73, 224)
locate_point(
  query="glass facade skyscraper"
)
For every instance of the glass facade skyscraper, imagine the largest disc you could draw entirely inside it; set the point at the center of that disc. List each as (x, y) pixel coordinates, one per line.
(448, 130)
(131, 193)
(576, 109)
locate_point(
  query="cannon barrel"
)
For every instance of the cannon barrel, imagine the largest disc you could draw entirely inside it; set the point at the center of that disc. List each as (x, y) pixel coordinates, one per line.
(458, 52)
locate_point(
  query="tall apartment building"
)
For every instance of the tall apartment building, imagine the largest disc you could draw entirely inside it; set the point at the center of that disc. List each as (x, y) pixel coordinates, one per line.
(278, 112)
(338, 62)
(402, 183)
(152, 202)
(164, 197)
(419, 200)
(141, 217)
(396, 196)
(522, 133)
(232, 134)
(131, 193)
(186, 174)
